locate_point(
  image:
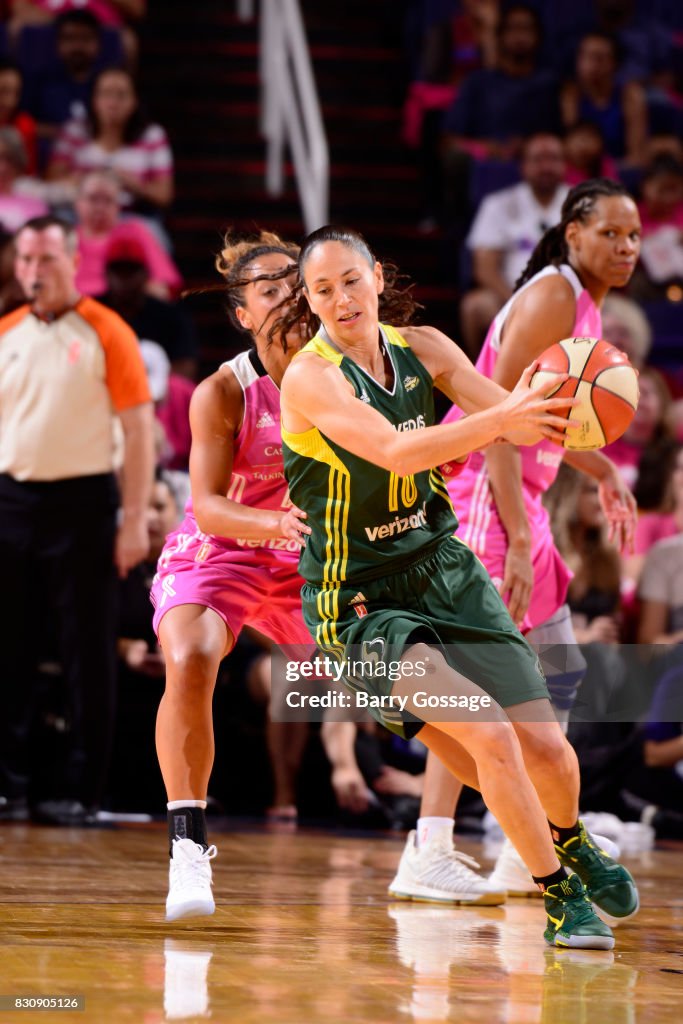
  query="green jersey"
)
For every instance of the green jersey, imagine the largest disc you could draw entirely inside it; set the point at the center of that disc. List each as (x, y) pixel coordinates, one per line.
(367, 522)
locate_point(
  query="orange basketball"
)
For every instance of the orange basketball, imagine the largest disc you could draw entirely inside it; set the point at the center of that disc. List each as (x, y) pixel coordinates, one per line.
(603, 380)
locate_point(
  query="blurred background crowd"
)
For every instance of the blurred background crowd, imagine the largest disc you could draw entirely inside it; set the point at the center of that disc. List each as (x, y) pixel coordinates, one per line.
(495, 110)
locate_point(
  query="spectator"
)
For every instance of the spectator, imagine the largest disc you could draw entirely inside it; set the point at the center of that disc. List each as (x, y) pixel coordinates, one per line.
(661, 597)
(171, 394)
(662, 191)
(505, 231)
(665, 521)
(118, 137)
(585, 157)
(63, 92)
(364, 783)
(497, 107)
(103, 235)
(70, 366)
(456, 43)
(580, 531)
(595, 95)
(118, 14)
(650, 428)
(643, 38)
(663, 144)
(659, 782)
(661, 212)
(164, 322)
(10, 114)
(15, 207)
(11, 295)
(626, 327)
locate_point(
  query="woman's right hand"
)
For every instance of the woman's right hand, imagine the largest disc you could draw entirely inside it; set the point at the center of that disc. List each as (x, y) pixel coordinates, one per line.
(293, 527)
(529, 417)
(518, 581)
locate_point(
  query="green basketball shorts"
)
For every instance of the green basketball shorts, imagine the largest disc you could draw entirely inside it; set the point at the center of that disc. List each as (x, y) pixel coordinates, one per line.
(445, 599)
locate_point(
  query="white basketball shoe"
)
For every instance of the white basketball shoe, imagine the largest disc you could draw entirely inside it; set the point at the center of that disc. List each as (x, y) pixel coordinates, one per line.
(512, 875)
(189, 881)
(437, 872)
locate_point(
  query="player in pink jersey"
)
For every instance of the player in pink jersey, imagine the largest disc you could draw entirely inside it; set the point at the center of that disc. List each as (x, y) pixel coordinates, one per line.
(233, 560)
(497, 496)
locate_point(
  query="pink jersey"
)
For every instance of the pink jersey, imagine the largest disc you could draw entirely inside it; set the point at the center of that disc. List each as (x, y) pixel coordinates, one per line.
(246, 582)
(480, 525)
(258, 476)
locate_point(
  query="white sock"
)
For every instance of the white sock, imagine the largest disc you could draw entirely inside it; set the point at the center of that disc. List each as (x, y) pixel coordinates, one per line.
(430, 828)
(173, 805)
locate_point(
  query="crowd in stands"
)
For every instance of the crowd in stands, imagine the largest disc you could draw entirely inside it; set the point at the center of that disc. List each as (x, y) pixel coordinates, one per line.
(510, 105)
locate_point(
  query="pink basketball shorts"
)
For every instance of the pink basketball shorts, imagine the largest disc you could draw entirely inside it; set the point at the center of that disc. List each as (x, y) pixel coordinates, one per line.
(245, 586)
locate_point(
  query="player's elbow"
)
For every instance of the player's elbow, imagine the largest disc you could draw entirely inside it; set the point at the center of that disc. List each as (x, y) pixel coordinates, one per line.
(396, 459)
(202, 515)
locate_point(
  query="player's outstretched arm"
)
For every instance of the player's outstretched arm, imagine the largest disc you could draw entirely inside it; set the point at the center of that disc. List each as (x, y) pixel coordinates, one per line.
(542, 315)
(315, 393)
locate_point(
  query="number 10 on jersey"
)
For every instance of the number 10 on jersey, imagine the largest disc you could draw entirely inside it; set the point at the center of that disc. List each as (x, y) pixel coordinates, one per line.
(408, 491)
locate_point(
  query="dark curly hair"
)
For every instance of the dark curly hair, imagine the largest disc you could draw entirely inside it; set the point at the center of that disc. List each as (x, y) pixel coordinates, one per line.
(578, 206)
(396, 303)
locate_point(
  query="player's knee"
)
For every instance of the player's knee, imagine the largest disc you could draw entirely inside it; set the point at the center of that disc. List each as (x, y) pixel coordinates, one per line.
(493, 745)
(192, 666)
(547, 749)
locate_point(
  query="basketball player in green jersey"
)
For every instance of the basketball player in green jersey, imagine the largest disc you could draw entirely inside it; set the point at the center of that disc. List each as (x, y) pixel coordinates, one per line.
(385, 577)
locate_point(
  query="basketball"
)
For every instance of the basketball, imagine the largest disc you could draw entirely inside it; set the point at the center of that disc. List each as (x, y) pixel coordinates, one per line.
(603, 380)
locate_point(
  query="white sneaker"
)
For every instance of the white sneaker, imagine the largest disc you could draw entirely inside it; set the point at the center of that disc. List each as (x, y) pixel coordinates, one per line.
(438, 872)
(511, 873)
(189, 881)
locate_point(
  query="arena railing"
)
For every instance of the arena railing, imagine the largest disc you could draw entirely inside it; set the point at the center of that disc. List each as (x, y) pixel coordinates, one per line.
(290, 109)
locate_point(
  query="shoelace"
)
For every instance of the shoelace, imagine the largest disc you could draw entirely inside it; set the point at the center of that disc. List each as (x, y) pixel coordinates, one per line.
(580, 909)
(450, 858)
(192, 870)
(593, 857)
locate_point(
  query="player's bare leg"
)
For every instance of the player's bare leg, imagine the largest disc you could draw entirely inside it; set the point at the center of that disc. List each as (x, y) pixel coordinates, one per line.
(194, 640)
(494, 748)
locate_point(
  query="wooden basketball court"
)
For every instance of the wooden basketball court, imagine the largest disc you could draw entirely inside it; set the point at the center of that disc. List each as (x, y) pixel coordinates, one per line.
(304, 932)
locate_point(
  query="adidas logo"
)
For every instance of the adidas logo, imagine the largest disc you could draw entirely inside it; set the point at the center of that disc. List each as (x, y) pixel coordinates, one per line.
(265, 420)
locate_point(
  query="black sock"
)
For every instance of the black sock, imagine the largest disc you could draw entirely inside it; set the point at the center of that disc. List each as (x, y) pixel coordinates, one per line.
(562, 835)
(187, 823)
(547, 880)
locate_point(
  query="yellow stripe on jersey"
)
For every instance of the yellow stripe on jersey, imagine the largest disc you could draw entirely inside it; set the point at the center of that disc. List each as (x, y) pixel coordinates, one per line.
(328, 611)
(323, 349)
(312, 445)
(438, 485)
(393, 337)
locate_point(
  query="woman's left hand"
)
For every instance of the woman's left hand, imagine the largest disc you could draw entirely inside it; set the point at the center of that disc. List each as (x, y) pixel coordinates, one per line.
(620, 510)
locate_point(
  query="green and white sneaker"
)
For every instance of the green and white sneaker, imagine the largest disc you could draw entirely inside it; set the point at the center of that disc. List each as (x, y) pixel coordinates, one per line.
(610, 886)
(572, 922)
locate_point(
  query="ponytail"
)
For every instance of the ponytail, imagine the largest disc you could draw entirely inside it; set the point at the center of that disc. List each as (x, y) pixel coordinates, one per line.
(552, 248)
